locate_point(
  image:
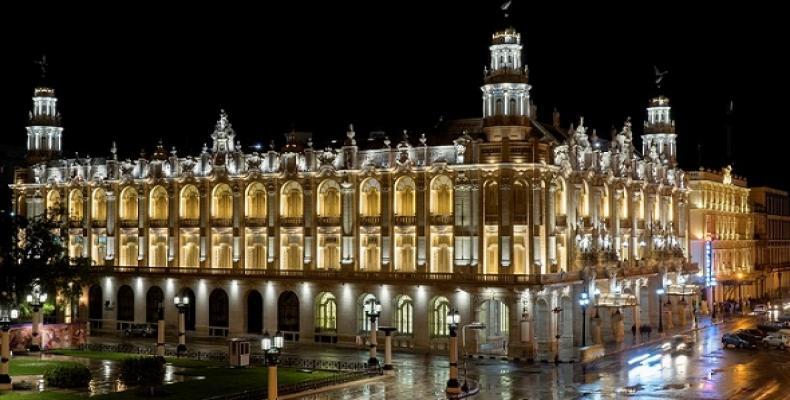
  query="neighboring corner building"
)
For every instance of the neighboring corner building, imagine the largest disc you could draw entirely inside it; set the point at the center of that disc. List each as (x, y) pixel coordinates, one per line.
(772, 233)
(722, 234)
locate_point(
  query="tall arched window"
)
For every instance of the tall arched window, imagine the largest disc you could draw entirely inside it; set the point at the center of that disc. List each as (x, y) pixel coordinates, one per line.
(76, 205)
(288, 312)
(190, 246)
(560, 199)
(491, 200)
(519, 203)
(363, 321)
(218, 309)
(153, 300)
(125, 304)
(222, 202)
(291, 200)
(190, 202)
(128, 204)
(405, 189)
(442, 253)
(158, 203)
(440, 306)
(623, 206)
(128, 256)
(326, 312)
(255, 204)
(53, 203)
(157, 247)
(404, 315)
(329, 199)
(442, 196)
(370, 198)
(99, 205)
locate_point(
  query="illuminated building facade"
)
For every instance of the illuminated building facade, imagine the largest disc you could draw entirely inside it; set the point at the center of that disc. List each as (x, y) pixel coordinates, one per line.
(508, 220)
(771, 210)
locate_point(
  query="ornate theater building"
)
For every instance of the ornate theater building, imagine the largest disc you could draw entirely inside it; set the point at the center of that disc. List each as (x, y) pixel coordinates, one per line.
(505, 218)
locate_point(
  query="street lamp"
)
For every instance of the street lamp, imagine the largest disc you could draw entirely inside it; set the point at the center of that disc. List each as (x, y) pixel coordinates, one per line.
(271, 349)
(36, 300)
(373, 310)
(584, 301)
(453, 319)
(473, 326)
(660, 292)
(6, 317)
(160, 330)
(557, 310)
(181, 303)
(713, 299)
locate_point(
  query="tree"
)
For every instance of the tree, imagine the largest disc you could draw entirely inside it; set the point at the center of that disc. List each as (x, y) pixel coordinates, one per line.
(33, 252)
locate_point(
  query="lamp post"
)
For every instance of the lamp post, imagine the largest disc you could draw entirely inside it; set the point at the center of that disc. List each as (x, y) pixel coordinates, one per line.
(271, 349)
(160, 330)
(474, 326)
(660, 292)
(373, 310)
(584, 301)
(181, 303)
(453, 319)
(388, 330)
(6, 316)
(557, 311)
(36, 300)
(713, 299)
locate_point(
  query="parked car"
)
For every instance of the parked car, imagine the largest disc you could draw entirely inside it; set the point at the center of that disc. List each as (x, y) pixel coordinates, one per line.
(731, 339)
(139, 330)
(778, 341)
(753, 340)
(753, 332)
(760, 309)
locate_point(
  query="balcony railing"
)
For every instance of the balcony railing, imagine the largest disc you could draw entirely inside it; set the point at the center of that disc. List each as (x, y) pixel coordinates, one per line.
(292, 221)
(328, 221)
(442, 220)
(370, 220)
(158, 223)
(128, 223)
(221, 222)
(99, 223)
(354, 276)
(190, 222)
(405, 220)
(75, 223)
(492, 219)
(561, 220)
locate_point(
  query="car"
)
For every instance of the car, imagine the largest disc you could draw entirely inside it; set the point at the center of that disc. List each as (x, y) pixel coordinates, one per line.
(731, 339)
(760, 309)
(753, 332)
(754, 340)
(778, 341)
(138, 330)
(680, 343)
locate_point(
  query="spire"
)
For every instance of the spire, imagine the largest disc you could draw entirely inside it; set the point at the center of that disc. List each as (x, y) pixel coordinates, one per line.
(44, 133)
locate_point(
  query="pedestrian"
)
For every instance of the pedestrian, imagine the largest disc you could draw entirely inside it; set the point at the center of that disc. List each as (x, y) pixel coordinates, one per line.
(633, 331)
(649, 329)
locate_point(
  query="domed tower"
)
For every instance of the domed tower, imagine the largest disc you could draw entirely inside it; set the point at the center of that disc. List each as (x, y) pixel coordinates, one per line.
(659, 136)
(44, 133)
(506, 101)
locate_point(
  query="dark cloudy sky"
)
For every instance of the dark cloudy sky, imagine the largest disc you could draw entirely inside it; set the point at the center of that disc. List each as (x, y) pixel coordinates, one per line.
(135, 75)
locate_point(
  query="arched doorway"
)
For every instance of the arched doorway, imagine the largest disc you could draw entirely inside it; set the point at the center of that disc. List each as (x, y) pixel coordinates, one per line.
(189, 314)
(218, 313)
(153, 300)
(125, 304)
(495, 314)
(542, 328)
(95, 306)
(254, 312)
(288, 315)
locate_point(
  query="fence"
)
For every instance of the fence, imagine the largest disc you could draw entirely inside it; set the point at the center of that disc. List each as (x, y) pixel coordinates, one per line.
(146, 350)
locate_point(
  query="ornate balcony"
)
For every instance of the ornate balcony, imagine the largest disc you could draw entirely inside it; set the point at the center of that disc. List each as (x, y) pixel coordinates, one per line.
(442, 220)
(405, 220)
(519, 220)
(75, 223)
(561, 220)
(158, 223)
(492, 219)
(128, 223)
(190, 222)
(255, 221)
(99, 223)
(291, 221)
(328, 221)
(221, 222)
(370, 220)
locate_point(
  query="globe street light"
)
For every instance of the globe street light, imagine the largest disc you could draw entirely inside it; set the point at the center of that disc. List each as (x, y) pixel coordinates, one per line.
(557, 311)
(584, 301)
(36, 300)
(660, 292)
(453, 319)
(271, 349)
(7, 315)
(373, 310)
(181, 303)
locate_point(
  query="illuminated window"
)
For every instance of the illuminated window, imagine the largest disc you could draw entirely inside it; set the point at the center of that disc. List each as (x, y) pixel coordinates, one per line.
(326, 312)
(440, 306)
(404, 315)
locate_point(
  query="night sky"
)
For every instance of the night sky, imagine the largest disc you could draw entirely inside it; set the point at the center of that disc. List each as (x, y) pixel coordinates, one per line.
(136, 76)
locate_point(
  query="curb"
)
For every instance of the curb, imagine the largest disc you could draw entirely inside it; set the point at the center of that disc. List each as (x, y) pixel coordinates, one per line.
(333, 387)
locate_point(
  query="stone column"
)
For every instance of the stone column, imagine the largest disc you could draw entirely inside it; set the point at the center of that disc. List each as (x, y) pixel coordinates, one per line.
(595, 328)
(551, 238)
(205, 230)
(347, 223)
(618, 329)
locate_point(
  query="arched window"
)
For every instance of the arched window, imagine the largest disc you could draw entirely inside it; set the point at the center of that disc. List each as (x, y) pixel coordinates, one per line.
(499, 107)
(442, 253)
(190, 246)
(154, 299)
(125, 304)
(404, 315)
(363, 321)
(288, 312)
(560, 199)
(326, 312)
(128, 204)
(128, 256)
(404, 197)
(255, 205)
(291, 200)
(190, 202)
(157, 247)
(95, 302)
(254, 312)
(158, 203)
(440, 306)
(512, 110)
(53, 203)
(370, 198)
(329, 199)
(218, 309)
(222, 248)
(99, 205)
(222, 202)
(519, 203)
(442, 196)
(491, 200)
(256, 249)
(189, 315)
(75, 205)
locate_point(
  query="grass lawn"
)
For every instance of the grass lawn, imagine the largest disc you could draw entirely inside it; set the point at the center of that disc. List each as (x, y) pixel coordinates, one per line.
(105, 355)
(29, 366)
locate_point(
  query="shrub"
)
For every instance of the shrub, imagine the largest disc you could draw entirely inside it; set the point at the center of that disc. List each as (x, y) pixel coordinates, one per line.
(147, 372)
(23, 385)
(67, 375)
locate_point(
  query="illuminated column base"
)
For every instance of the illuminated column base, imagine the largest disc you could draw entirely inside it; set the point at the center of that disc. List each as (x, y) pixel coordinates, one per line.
(272, 381)
(5, 358)
(160, 338)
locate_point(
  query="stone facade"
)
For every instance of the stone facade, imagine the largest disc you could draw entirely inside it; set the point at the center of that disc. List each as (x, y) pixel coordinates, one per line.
(772, 232)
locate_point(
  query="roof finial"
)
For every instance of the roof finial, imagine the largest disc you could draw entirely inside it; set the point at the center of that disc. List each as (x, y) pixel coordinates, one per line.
(43, 64)
(659, 76)
(505, 7)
